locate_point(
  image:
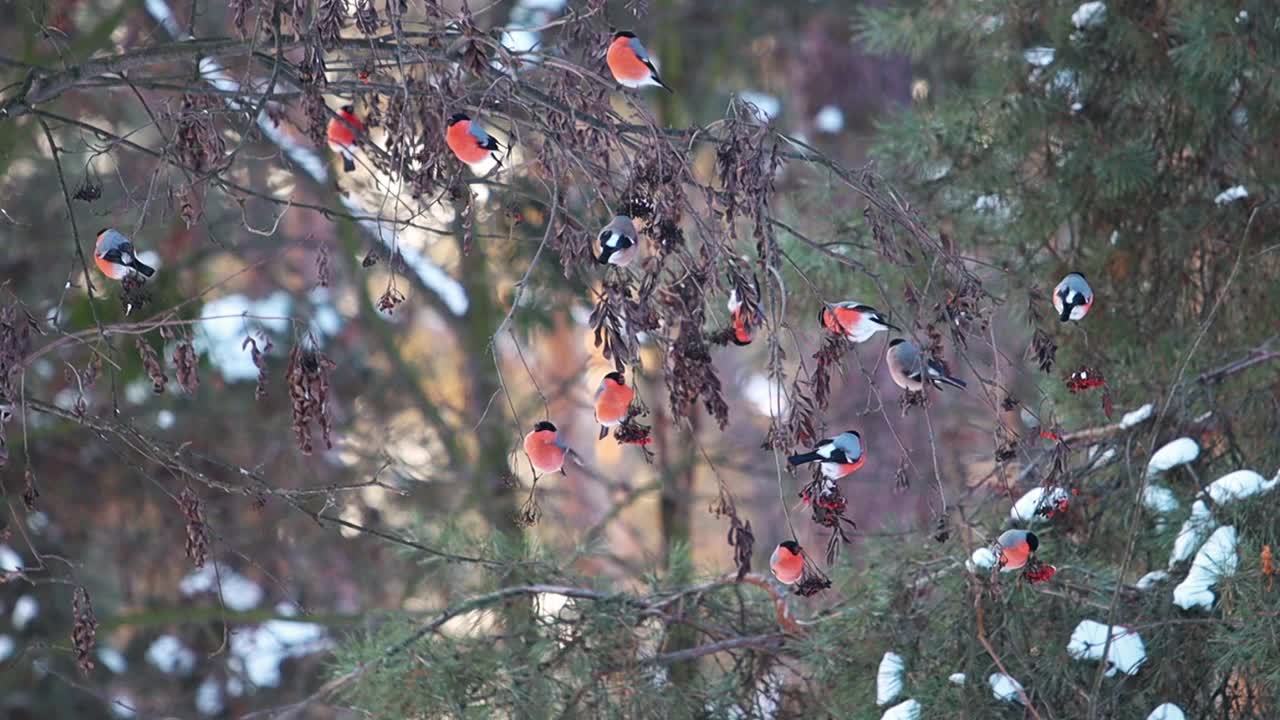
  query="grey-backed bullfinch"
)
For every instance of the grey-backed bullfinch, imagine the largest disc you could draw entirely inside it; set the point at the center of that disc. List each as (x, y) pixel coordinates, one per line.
(115, 257)
(1016, 548)
(840, 456)
(469, 141)
(909, 368)
(787, 562)
(1073, 297)
(342, 139)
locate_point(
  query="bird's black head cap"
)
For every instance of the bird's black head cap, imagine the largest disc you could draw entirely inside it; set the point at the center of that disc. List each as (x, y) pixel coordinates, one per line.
(457, 117)
(544, 425)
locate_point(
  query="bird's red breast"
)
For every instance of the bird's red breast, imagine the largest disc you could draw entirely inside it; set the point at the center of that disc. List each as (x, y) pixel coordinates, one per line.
(1016, 556)
(341, 135)
(614, 402)
(543, 452)
(110, 269)
(464, 144)
(741, 332)
(847, 469)
(840, 320)
(624, 63)
(787, 566)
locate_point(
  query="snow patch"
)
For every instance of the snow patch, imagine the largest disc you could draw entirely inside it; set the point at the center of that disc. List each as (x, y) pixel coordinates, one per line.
(10, 561)
(1005, 688)
(889, 678)
(224, 328)
(982, 559)
(1039, 57)
(1024, 510)
(767, 106)
(909, 710)
(7, 646)
(1215, 560)
(209, 697)
(1239, 485)
(1126, 654)
(765, 395)
(170, 656)
(830, 119)
(1158, 498)
(1230, 195)
(956, 679)
(24, 611)
(239, 593)
(1148, 581)
(1179, 452)
(1167, 711)
(112, 659)
(258, 651)
(1133, 418)
(1089, 15)
(1192, 533)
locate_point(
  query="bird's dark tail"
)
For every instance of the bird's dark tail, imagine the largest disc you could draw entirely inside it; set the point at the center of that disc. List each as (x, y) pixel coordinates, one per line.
(1066, 311)
(604, 432)
(348, 163)
(953, 382)
(890, 325)
(663, 85)
(145, 269)
(804, 458)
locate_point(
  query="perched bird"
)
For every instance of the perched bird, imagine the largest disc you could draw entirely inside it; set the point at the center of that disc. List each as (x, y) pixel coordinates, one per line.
(854, 320)
(469, 141)
(613, 401)
(545, 449)
(342, 139)
(617, 244)
(1016, 548)
(841, 455)
(630, 62)
(115, 257)
(1073, 297)
(744, 322)
(907, 366)
(787, 562)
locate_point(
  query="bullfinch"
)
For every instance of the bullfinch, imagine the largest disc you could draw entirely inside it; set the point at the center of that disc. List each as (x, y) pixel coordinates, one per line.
(545, 449)
(744, 322)
(630, 62)
(854, 320)
(1016, 548)
(469, 141)
(617, 243)
(115, 257)
(841, 456)
(342, 139)
(787, 562)
(908, 368)
(613, 401)
(1073, 297)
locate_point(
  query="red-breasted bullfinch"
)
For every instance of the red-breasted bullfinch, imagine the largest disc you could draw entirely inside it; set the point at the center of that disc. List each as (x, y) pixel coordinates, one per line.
(631, 64)
(115, 257)
(613, 401)
(744, 323)
(1073, 297)
(545, 449)
(1016, 548)
(854, 320)
(787, 562)
(841, 456)
(469, 141)
(907, 367)
(617, 243)
(342, 139)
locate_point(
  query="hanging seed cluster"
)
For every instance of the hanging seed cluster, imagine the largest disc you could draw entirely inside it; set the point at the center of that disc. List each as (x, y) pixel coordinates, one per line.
(308, 380)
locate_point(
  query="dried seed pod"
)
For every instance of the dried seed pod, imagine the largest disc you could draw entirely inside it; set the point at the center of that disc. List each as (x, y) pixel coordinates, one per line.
(151, 363)
(188, 366)
(84, 631)
(197, 531)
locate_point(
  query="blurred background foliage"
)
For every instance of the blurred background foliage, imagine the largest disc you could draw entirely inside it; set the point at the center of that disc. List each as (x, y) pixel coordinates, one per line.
(1029, 146)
